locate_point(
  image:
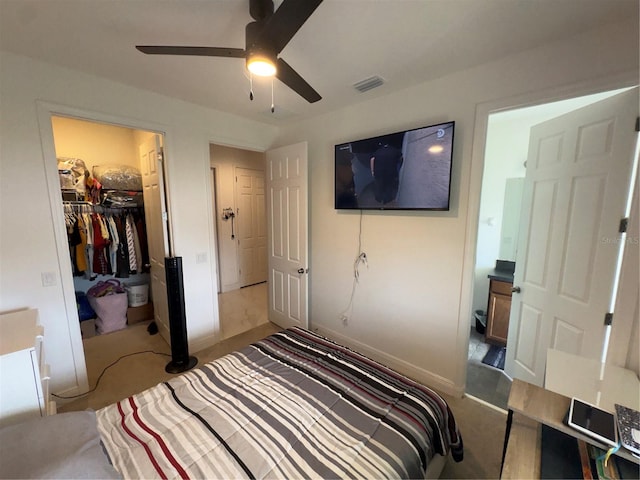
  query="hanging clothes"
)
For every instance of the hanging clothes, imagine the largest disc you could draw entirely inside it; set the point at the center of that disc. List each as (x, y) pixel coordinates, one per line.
(100, 246)
(81, 248)
(74, 239)
(115, 242)
(122, 258)
(142, 235)
(88, 273)
(106, 243)
(131, 246)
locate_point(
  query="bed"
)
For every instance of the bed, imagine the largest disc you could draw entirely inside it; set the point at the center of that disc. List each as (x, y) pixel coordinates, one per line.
(293, 405)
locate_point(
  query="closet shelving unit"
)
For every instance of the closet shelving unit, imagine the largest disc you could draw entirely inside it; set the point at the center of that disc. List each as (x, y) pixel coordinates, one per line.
(112, 202)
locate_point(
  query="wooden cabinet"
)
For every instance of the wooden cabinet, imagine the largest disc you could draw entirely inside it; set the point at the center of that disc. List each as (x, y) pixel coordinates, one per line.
(498, 311)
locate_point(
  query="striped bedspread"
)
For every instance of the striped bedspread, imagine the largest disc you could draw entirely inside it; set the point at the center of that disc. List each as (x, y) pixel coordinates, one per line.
(293, 405)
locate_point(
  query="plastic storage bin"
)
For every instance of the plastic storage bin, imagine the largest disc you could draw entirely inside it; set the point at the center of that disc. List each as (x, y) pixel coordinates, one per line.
(138, 295)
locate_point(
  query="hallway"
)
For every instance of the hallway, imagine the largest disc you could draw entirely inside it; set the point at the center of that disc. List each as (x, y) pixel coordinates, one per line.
(242, 310)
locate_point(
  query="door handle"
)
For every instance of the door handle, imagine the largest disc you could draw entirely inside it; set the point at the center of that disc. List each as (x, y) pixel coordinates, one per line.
(515, 289)
(302, 270)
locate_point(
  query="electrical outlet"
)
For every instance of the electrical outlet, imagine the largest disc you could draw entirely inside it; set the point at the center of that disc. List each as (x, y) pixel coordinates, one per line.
(201, 257)
(345, 320)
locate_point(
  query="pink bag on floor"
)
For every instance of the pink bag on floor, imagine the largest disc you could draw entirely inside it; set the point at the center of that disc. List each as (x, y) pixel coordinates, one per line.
(109, 301)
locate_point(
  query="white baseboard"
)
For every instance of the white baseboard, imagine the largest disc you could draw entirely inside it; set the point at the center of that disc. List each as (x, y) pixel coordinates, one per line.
(421, 375)
(202, 343)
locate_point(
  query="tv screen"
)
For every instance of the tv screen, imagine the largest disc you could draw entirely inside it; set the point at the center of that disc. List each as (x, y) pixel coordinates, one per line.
(408, 170)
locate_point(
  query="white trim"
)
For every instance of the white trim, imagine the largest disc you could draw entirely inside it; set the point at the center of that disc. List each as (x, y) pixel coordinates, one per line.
(485, 403)
(44, 115)
(405, 368)
(213, 180)
(483, 110)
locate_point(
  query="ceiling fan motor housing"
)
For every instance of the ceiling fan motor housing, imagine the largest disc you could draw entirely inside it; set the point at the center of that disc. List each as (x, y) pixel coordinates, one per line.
(258, 49)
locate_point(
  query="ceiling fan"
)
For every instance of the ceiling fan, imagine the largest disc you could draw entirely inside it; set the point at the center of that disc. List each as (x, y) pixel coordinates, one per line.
(266, 37)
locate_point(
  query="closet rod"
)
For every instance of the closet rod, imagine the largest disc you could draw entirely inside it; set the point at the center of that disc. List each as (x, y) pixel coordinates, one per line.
(88, 207)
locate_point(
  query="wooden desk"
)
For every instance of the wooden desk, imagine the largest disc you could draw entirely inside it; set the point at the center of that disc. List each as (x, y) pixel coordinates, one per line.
(530, 407)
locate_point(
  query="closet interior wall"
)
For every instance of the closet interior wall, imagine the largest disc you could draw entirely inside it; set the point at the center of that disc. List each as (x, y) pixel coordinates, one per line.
(104, 145)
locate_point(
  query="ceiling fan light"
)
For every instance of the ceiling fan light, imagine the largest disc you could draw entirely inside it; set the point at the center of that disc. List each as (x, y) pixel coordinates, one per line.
(261, 65)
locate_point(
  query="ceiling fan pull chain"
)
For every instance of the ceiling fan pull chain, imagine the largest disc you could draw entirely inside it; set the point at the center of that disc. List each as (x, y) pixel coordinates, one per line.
(250, 86)
(273, 108)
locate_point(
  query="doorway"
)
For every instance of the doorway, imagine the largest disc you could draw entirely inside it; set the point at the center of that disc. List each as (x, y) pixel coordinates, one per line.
(105, 188)
(505, 155)
(237, 177)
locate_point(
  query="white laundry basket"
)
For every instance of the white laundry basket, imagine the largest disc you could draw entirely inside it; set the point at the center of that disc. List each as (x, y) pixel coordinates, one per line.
(138, 295)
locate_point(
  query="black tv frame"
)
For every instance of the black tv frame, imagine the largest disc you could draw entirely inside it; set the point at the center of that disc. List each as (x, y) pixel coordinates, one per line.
(420, 181)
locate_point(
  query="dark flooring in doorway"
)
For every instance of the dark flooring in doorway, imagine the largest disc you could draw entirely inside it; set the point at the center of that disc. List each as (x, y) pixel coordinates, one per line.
(483, 381)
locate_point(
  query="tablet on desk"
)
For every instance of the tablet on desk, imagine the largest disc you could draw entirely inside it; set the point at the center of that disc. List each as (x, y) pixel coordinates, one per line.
(593, 421)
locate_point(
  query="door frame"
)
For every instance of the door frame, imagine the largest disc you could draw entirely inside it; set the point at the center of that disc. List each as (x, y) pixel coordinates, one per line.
(46, 110)
(216, 185)
(474, 186)
(212, 187)
(214, 181)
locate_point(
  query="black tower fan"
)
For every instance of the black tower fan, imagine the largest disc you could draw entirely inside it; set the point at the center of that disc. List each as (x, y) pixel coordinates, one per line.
(180, 359)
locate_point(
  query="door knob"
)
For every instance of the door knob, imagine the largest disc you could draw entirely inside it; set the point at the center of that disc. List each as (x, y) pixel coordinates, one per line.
(302, 270)
(515, 289)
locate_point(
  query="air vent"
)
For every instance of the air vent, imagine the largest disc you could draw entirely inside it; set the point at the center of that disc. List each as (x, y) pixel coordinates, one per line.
(368, 84)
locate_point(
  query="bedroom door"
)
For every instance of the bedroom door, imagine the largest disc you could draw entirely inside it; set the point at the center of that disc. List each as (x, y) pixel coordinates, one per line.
(286, 186)
(576, 188)
(155, 212)
(252, 226)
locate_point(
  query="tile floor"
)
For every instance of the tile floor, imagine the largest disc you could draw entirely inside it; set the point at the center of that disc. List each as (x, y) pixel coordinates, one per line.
(243, 309)
(485, 382)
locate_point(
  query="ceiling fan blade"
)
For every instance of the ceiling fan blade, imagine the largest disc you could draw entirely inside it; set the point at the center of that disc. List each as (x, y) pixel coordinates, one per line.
(197, 51)
(295, 82)
(285, 22)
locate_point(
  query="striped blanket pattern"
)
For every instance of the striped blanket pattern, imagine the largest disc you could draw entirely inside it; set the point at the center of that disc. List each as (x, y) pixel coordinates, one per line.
(293, 405)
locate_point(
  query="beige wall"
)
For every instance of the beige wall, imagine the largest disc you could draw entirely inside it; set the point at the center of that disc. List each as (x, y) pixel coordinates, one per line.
(225, 160)
(95, 143)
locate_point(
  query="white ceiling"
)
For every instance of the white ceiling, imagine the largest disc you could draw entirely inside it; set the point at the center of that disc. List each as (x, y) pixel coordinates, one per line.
(406, 42)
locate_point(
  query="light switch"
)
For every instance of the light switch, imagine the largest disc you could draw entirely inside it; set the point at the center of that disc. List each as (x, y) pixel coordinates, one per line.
(48, 279)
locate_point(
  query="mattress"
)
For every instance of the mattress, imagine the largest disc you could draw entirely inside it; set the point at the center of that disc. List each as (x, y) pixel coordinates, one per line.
(293, 405)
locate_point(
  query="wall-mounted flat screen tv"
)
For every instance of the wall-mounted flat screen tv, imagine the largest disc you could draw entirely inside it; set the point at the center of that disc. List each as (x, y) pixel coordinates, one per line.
(408, 170)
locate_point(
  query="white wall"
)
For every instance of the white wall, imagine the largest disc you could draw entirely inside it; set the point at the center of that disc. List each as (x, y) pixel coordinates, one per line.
(226, 160)
(28, 232)
(412, 306)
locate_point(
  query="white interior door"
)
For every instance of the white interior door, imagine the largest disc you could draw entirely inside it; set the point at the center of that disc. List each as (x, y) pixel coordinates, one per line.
(151, 159)
(576, 186)
(251, 219)
(286, 185)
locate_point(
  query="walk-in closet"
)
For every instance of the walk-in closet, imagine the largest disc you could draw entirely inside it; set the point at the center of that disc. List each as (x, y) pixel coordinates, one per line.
(103, 195)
